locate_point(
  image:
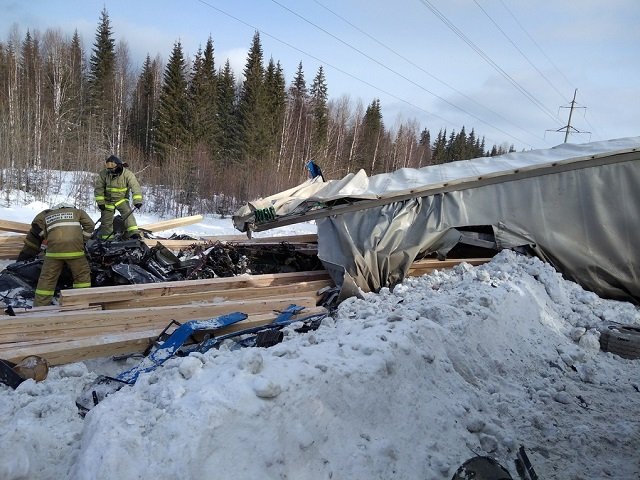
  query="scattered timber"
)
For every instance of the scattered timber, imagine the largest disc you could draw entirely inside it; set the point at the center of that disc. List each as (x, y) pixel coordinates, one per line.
(15, 227)
(173, 223)
(79, 335)
(78, 348)
(127, 319)
(105, 295)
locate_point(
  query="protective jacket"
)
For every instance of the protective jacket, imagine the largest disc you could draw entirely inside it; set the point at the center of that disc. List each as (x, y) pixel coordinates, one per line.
(113, 190)
(66, 230)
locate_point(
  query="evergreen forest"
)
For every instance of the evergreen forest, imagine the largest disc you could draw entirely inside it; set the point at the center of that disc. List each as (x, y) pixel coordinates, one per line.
(200, 138)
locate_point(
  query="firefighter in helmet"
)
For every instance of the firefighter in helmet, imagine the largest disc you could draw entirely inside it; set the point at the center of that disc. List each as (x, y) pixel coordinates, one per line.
(112, 189)
(65, 231)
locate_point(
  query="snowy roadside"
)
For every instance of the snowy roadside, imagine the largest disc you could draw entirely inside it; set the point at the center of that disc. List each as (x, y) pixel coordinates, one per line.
(404, 384)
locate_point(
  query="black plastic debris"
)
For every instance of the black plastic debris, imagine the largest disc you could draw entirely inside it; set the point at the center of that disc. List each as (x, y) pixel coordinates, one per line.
(132, 261)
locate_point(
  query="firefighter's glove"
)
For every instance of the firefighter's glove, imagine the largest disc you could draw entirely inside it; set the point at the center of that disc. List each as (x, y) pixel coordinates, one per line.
(138, 205)
(101, 207)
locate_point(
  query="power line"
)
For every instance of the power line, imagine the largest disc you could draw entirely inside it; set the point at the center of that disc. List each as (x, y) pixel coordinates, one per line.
(485, 57)
(536, 43)
(410, 62)
(517, 48)
(395, 72)
(555, 67)
(323, 62)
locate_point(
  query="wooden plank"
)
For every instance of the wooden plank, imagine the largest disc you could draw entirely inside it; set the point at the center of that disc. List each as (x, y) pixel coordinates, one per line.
(56, 326)
(75, 350)
(57, 335)
(38, 326)
(16, 227)
(173, 223)
(11, 240)
(49, 310)
(309, 288)
(10, 246)
(421, 267)
(83, 349)
(173, 244)
(118, 293)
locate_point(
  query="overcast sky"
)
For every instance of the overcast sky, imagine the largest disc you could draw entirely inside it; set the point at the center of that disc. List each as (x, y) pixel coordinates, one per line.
(503, 67)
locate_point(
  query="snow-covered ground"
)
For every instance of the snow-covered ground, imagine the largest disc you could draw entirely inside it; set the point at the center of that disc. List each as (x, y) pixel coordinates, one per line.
(399, 385)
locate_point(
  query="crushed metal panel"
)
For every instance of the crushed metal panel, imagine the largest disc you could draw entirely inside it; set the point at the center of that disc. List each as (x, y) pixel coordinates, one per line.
(357, 191)
(583, 221)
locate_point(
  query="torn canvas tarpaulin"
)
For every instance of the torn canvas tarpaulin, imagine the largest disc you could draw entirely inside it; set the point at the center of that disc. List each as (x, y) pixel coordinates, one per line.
(573, 205)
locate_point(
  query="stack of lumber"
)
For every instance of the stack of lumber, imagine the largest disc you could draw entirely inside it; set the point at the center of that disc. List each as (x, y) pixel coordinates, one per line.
(105, 321)
(15, 227)
(10, 246)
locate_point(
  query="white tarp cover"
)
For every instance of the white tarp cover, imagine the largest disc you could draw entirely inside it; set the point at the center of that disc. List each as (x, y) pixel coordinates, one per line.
(574, 205)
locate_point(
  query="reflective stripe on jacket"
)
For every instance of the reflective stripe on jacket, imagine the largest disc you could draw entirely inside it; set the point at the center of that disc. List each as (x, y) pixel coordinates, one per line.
(66, 230)
(112, 190)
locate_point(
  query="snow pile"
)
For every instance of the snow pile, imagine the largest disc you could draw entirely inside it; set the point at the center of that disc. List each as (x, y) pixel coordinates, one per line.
(405, 384)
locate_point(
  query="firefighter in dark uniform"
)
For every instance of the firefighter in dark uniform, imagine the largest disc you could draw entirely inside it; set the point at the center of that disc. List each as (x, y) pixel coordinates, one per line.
(112, 189)
(66, 229)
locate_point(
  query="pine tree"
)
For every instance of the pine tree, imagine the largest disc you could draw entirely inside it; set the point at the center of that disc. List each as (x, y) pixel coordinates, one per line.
(424, 143)
(439, 150)
(31, 101)
(228, 130)
(459, 146)
(275, 96)
(202, 98)
(320, 115)
(372, 132)
(144, 106)
(78, 79)
(101, 79)
(252, 106)
(171, 127)
(297, 121)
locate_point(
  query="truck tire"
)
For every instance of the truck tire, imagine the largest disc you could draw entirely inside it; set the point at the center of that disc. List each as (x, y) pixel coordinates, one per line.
(481, 468)
(623, 340)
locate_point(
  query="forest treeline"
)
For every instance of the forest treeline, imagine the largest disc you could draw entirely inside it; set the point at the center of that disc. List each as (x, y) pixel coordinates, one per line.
(201, 139)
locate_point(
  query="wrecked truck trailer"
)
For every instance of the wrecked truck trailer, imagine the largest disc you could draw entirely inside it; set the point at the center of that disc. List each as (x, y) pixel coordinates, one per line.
(126, 262)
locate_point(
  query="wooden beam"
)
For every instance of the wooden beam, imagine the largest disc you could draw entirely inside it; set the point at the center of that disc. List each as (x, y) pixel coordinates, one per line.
(69, 350)
(16, 227)
(118, 293)
(173, 223)
(16, 239)
(82, 349)
(44, 325)
(308, 288)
